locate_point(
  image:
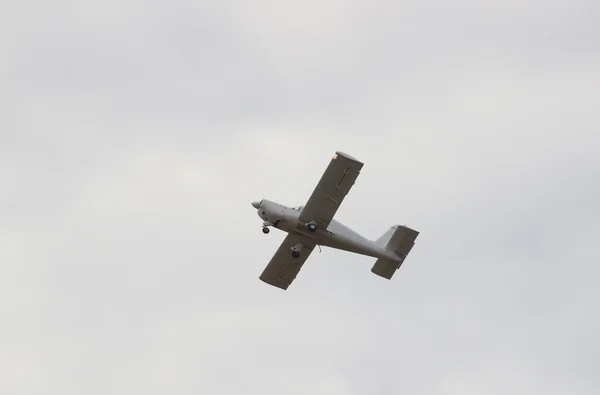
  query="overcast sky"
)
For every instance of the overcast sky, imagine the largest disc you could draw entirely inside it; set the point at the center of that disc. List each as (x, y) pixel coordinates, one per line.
(134, 135)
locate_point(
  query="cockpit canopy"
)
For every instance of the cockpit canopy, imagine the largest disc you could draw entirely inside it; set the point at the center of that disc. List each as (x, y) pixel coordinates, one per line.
(299, 208)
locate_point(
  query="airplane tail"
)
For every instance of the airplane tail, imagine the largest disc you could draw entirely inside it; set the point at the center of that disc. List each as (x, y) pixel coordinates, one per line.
(400, 240)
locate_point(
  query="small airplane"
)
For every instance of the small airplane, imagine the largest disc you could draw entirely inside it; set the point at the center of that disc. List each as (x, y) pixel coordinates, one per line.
(313, 225)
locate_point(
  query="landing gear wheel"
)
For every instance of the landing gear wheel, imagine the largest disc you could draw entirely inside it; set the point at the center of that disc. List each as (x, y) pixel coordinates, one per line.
(266, 230)
(295, 254)
(311, 227)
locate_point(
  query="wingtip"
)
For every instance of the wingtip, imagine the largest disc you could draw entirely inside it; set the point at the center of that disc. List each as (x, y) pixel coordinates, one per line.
(345, 155)
(283, 287)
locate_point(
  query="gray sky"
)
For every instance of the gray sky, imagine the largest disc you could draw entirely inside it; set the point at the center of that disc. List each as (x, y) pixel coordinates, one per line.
(134, 135)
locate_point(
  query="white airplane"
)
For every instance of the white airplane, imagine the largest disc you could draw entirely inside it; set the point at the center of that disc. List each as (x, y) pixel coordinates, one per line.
(313, 225)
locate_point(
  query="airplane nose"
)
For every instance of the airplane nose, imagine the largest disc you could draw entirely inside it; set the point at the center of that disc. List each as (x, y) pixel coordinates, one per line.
(256, 204)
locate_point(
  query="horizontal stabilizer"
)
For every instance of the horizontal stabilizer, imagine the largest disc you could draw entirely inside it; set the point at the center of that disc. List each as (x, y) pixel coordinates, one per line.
(400, 240)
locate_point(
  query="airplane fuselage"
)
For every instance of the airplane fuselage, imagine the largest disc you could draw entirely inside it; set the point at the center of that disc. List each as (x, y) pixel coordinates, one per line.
(336, 235)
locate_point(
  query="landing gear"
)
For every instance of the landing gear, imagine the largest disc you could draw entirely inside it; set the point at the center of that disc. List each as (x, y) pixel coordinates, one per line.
(296, 250)
(311, 227)
(266, 225)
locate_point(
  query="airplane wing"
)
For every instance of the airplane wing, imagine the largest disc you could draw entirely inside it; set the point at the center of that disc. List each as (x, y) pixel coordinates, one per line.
(334, 185)
(283, 268)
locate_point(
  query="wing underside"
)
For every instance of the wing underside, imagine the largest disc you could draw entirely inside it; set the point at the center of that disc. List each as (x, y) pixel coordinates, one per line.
(281, 271)
(332, 188)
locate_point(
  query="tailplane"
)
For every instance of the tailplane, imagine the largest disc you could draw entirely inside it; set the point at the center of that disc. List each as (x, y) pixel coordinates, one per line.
(398, 239)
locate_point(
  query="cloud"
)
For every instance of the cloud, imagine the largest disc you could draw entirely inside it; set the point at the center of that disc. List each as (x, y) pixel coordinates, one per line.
(133, 137)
